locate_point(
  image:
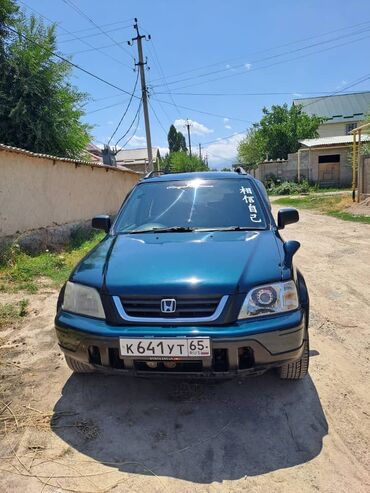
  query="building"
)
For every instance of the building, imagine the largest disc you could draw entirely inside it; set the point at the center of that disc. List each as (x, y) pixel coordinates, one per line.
(94, 153)
(342, 112)
(137, 159)
(325, 160)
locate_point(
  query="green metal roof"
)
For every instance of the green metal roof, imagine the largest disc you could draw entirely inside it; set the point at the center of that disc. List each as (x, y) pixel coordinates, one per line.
(338, 108)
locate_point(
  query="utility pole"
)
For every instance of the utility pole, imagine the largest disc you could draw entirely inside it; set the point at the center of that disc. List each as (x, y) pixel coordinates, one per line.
(188, 125)
(200, 150)
(144, 92)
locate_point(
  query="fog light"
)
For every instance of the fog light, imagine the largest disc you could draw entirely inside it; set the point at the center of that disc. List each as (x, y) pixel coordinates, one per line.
(170, 364)
(151, 364)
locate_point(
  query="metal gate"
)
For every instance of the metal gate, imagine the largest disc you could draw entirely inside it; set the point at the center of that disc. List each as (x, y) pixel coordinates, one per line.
(329, 174)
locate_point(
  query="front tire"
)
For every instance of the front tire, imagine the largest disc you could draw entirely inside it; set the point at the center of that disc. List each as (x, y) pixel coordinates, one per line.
(77, 366)
(298, 369)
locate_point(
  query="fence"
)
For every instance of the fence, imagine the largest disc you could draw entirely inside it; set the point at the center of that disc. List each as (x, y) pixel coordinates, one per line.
(38, 191)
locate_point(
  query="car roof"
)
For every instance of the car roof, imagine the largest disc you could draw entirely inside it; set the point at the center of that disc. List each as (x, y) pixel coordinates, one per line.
(205, 175)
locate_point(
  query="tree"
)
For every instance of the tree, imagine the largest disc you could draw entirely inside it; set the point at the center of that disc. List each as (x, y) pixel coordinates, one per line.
(250, 150)
(180, 162)
(176, 140)
(277, 134)
(39, 109)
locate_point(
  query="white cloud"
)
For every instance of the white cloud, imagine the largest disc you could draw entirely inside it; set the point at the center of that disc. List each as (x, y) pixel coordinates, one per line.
(196, 127)
(248, 66)
(137, 141)
(224, 150)
(110, 122)
(226, 120)
(341, 84)
(228, 66)
(297, 94)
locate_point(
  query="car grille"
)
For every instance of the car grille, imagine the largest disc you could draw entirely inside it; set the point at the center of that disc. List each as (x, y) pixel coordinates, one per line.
(150, 307)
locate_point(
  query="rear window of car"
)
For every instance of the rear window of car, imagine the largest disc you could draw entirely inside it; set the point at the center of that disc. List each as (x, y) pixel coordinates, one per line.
(196, 203)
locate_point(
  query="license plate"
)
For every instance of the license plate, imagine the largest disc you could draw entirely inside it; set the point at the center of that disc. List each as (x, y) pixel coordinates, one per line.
(166, 348)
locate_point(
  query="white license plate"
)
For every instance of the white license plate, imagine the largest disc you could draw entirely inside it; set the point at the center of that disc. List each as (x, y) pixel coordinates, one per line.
(166, 348)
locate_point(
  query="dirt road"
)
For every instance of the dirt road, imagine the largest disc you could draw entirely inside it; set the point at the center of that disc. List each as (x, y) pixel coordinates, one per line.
(256, 435)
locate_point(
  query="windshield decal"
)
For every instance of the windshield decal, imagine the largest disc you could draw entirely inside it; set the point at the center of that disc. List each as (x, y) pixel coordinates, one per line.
(248, 198)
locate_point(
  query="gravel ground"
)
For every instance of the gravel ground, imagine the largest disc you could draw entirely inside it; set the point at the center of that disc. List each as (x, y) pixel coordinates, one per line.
(89, 433)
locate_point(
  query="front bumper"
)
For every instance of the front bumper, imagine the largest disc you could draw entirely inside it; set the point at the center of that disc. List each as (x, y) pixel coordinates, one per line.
(250, 347)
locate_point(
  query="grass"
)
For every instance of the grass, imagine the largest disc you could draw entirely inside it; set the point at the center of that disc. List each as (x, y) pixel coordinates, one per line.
(332, 205)
(12, 312)
(20, 271)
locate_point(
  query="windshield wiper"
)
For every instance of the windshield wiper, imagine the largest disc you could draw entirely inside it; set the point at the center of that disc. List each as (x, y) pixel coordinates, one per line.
(170, 229)
(227, 228)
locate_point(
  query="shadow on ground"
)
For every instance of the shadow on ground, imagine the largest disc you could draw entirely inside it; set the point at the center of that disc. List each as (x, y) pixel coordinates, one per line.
(200, 432)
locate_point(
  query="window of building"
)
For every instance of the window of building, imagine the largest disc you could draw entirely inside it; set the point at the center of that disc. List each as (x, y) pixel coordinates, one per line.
(350, 127)
(329, 158)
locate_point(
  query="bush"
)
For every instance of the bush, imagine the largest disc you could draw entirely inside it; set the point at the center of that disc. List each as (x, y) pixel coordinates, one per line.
(289, 188)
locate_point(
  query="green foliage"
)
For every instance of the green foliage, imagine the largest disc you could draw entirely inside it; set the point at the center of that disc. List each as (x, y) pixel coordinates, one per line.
(22, 271)
(180, 162)
(250, 150)
(176, 140)
(331, 205)
(39, 109)
(277, 134)
(290, 188)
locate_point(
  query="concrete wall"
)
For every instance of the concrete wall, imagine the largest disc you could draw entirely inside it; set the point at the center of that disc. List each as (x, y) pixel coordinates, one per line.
(364, 177)
(284, 170)
(40, 192)
(345, 170)
(333, 129)
(287, 170)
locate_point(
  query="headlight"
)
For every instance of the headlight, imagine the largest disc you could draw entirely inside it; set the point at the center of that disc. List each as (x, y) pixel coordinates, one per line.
(83, 300)
(269, 299)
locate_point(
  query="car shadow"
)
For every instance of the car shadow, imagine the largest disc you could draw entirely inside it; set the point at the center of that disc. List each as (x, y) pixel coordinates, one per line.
(197, 431)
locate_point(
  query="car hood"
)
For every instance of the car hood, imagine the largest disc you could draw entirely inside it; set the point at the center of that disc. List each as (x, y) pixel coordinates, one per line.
(183, 263)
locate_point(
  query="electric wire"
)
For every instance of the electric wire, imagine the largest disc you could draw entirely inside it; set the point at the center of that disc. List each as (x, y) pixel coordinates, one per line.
(132, 123)
(75, 37)
(126, 109)
(133, 133)
(78, 67)
(83, 14)
(266, 50)
(253, 62)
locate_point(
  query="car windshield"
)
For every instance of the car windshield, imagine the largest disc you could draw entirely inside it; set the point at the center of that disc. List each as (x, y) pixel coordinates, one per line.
(197, 204)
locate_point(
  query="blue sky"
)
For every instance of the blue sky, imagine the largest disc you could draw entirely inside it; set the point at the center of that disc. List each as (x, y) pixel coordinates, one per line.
(222, 61)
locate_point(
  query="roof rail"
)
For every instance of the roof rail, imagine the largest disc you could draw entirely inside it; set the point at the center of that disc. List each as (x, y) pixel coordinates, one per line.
(155, 172)
(240, 170)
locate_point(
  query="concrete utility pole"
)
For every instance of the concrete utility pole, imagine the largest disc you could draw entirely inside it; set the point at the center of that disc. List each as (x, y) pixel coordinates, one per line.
(144, 92)
(200, 150)
(188, 125)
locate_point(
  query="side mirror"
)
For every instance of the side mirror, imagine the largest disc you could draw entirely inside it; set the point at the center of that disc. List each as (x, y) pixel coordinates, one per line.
(290, 248)
(287, 216)
(101, 222)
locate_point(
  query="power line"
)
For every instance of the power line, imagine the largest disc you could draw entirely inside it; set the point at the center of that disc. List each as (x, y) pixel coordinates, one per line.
(123, 21)
(291, 93)
(206, 74)
(131, 125)
(203, 112)
(340, 91)
(126, 109)
(75, 37)
(83, 14)
(106, 107)
(94, 35)
(273, 64)
(268, 49)
(78, 67)
(133, 133)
